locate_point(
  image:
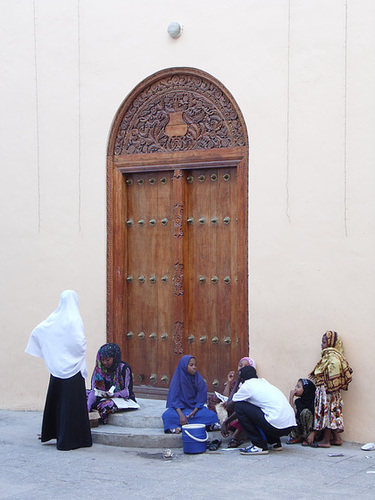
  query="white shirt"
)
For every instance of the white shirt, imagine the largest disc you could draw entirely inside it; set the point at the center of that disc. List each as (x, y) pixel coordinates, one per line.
(276, 408)
(60, 339)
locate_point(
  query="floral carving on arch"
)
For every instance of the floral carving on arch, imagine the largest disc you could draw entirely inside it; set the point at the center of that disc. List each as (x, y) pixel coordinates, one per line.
(180, 109)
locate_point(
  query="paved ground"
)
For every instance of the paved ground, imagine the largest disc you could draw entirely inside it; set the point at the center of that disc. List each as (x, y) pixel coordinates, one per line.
(30, 470)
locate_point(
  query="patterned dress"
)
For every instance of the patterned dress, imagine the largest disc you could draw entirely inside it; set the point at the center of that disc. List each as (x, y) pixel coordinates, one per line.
(118, 375)
(331, 374)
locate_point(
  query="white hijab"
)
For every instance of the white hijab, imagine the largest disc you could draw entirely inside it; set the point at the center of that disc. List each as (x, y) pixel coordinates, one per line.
(60, 339)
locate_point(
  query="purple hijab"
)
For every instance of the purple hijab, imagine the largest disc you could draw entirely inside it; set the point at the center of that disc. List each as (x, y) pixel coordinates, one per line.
(186, 391)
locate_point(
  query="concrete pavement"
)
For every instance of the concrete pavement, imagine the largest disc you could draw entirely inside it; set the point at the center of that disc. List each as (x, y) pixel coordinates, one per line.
(30, 470)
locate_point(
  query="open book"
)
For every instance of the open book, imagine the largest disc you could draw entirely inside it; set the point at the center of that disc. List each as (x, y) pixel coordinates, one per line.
(123, 404)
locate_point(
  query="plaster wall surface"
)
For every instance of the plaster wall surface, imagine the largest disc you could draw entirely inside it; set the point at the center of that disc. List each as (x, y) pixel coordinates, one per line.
(303, 74)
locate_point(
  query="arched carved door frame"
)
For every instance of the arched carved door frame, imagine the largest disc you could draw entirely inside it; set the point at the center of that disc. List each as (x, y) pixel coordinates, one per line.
(176, 118)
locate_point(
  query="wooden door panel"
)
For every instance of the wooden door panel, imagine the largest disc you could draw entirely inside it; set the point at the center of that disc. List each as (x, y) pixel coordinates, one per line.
(212, 248)
(226, 267)
(164, 268)
(138, 267)
(199, 267)
(150, 263)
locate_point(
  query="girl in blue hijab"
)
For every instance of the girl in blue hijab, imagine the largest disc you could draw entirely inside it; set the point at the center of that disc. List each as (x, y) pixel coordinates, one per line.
(186, 399)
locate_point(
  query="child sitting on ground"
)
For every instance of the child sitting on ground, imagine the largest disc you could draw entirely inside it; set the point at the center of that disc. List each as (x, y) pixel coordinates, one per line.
(301, 399)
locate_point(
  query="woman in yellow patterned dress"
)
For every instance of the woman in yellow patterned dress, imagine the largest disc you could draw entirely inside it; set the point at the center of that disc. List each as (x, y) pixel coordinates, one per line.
(331, 375)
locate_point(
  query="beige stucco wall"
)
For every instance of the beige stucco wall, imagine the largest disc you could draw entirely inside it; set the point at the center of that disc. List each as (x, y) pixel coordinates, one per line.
(303, 73)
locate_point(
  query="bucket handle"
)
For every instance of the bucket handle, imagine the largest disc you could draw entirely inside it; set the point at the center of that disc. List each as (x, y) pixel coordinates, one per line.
(195, 438)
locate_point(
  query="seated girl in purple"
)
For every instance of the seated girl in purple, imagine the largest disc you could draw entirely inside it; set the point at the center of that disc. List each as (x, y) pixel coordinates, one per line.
(187, 397)
(109, 373)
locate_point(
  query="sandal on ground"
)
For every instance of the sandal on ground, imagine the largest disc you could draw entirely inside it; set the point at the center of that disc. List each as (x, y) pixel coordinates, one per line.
(234, 443)
(296, 440)
(305, 443)
(177, 430)
(317, 445)
(214, 445)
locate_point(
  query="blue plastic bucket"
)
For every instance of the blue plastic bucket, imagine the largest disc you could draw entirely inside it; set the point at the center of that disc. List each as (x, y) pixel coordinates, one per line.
(194, 438)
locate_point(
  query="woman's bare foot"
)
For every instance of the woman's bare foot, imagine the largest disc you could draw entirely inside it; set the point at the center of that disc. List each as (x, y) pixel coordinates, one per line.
(336, 439)
(178, 430)
(321, 444)
(337, 443)
(326, 441)
(310, 438)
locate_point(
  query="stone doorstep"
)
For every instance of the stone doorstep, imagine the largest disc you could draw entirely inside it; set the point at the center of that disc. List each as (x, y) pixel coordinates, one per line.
(149, 415)
(135, 437)
(142, 428)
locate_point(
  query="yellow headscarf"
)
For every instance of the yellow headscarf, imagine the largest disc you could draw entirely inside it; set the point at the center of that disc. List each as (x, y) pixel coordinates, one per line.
(333, 370)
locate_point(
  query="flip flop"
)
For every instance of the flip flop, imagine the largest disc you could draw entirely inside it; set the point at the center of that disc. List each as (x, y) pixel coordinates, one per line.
(214, 446)
(305, 443)
(294, 440)
(177, 430)
(317, 445)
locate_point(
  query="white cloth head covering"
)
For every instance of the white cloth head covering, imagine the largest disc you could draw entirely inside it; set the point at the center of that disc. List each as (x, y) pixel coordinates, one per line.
(60, 339)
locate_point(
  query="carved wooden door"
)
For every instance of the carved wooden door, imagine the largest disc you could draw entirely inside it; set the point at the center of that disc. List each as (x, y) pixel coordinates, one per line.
(177, 229)
(181, 266)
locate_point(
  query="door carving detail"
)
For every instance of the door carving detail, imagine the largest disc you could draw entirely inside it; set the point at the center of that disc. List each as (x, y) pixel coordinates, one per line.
(178, 208)
(204, 116)
(178, 279)
(177, 338)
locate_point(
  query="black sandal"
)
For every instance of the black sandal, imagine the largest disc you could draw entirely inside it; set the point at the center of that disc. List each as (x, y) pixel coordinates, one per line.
(235, 443)
(214, 445)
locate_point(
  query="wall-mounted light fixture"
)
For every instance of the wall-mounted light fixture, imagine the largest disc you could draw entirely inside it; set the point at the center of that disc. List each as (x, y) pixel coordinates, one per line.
(175, 29)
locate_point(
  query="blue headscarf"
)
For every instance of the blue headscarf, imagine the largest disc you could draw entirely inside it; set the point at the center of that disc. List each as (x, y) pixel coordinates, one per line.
(186, 391)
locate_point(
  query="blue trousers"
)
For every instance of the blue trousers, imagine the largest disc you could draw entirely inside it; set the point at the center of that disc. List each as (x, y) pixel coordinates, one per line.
(203, 416)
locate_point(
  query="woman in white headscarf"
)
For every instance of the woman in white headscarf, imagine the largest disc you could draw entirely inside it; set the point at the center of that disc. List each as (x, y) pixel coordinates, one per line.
(60, 341)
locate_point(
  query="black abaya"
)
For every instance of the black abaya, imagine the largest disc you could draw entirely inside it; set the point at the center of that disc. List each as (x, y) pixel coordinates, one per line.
(65, 413)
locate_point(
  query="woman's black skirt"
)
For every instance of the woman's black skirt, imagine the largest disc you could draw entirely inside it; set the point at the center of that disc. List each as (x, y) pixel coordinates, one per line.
(65, 415)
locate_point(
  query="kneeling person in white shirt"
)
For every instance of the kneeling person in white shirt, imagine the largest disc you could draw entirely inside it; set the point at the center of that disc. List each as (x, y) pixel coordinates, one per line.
(263, 412)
